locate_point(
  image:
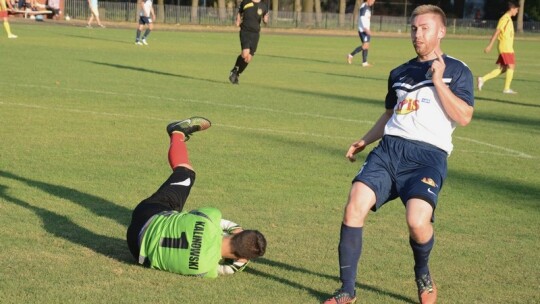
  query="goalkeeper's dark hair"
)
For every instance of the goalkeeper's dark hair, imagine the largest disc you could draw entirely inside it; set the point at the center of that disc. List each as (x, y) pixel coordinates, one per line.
(248, 244)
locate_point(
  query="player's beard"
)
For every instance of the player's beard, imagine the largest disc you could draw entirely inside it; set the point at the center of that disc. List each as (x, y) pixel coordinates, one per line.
(422, 49)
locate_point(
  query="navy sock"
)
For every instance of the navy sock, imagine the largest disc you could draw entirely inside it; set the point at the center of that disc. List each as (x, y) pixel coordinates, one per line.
(356, 51)
(364, 55)
(350, 248)
(421, 256)
(146, 33)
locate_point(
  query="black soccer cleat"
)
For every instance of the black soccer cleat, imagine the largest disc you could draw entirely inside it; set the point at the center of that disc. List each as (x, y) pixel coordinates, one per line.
(189, 126)
(233, 76)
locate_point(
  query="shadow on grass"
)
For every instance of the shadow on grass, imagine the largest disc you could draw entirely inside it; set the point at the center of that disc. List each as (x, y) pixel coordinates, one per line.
(507, 102)
(100, 38)
(296, 58)
(61, 226)
(139, 69)
(316, 293)
(351, 76)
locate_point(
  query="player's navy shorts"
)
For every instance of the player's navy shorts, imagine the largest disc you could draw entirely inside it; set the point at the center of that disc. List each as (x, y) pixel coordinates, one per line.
(404, 168)
(172, 195)
(364, 37)
(249, 40)
(145, 20)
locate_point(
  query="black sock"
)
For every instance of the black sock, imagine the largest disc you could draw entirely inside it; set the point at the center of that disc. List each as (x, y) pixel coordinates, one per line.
(350, 249)
(138, 35)
(364, 55)
(146, 33)
(357, 50)
(421, 256)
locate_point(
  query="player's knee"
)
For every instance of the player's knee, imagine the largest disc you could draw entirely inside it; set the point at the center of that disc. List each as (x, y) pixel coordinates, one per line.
(356, 213)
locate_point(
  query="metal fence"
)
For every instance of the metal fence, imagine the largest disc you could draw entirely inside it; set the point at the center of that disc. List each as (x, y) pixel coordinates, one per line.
(176, 14)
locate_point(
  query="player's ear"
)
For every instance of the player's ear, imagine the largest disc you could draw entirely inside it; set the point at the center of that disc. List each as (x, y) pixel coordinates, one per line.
(442, 32)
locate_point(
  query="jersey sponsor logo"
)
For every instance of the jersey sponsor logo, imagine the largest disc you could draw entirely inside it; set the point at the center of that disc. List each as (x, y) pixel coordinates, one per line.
(407, 106)
(185, 182)
(196, 245)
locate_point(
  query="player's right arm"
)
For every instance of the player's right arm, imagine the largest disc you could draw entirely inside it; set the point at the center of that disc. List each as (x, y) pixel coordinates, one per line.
(374, 134)
(491, 41)
(238, 19)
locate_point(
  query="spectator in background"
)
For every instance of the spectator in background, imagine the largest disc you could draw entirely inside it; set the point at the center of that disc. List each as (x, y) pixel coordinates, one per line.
(54, 6)
(506, 60)
(4, 15)
(94, 13)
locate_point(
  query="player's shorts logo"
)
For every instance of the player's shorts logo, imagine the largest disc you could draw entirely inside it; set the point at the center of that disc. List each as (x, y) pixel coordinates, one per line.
(429, 181)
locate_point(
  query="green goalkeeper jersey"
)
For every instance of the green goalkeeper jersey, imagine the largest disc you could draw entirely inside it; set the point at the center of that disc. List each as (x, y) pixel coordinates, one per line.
(187, 243)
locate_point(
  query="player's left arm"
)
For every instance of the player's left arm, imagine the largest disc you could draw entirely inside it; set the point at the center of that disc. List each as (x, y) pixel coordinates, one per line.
(456, 108)
(152, 13)
(230, 227)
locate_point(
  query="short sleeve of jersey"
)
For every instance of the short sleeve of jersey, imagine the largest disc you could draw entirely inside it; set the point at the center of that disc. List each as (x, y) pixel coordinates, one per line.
(462, 80)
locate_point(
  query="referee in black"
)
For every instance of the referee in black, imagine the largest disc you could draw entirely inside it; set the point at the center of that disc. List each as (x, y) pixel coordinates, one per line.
(250, 14)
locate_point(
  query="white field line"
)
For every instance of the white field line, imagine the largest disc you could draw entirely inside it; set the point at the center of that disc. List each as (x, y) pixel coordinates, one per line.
(502, 150)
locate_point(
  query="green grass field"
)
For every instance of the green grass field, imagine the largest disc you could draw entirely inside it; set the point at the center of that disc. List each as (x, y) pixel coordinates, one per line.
(82, 128)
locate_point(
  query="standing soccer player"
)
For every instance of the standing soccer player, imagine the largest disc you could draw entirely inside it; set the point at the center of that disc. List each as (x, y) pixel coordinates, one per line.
(364, 32)
(146, 17)
(94, 13)
(4, 16)
(249, 16)
(197, 243)
(427, 97)
(506, 60)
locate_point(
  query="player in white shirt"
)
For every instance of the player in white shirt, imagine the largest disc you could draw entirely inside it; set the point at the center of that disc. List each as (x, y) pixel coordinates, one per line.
(146, 17)
(364, 32)
(427, 98)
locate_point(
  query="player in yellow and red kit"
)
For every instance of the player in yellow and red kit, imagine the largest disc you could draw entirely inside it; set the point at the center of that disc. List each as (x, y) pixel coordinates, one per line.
(506, 60)
(4, 16)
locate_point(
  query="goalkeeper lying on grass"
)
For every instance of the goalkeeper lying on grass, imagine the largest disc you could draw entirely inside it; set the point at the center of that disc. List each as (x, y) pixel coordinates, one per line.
(198, 242)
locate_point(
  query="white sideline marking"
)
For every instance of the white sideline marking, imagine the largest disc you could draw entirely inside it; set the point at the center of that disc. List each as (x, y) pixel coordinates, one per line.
(506, 151)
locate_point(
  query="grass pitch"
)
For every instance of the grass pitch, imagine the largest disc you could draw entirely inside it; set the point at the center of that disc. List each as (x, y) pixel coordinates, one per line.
(83, 115)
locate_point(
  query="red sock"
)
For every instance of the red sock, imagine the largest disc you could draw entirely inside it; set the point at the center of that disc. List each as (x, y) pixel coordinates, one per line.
(178, 153)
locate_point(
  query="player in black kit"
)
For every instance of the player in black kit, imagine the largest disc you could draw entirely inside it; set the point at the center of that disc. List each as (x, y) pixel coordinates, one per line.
(250, 14)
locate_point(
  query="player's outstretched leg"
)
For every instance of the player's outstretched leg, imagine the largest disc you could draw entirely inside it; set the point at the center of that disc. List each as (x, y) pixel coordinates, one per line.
(189, 126)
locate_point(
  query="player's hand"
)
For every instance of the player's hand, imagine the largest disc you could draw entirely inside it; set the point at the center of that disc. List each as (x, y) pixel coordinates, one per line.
(354, 149)
(437, 67)
(487, 49)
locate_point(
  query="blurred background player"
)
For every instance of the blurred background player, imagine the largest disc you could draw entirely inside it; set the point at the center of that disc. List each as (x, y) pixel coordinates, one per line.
(249, 16)
(94, 13)
(146, 17)
(506, 60)
(4, 16)
(198, 242)
(364, 32)
(427, 98)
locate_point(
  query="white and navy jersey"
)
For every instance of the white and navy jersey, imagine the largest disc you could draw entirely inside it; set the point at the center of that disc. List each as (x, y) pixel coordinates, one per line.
(418, 112)
(364, 17)
(146, 8)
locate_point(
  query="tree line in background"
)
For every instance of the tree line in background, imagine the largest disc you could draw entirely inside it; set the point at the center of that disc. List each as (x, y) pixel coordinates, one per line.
(309, 9)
